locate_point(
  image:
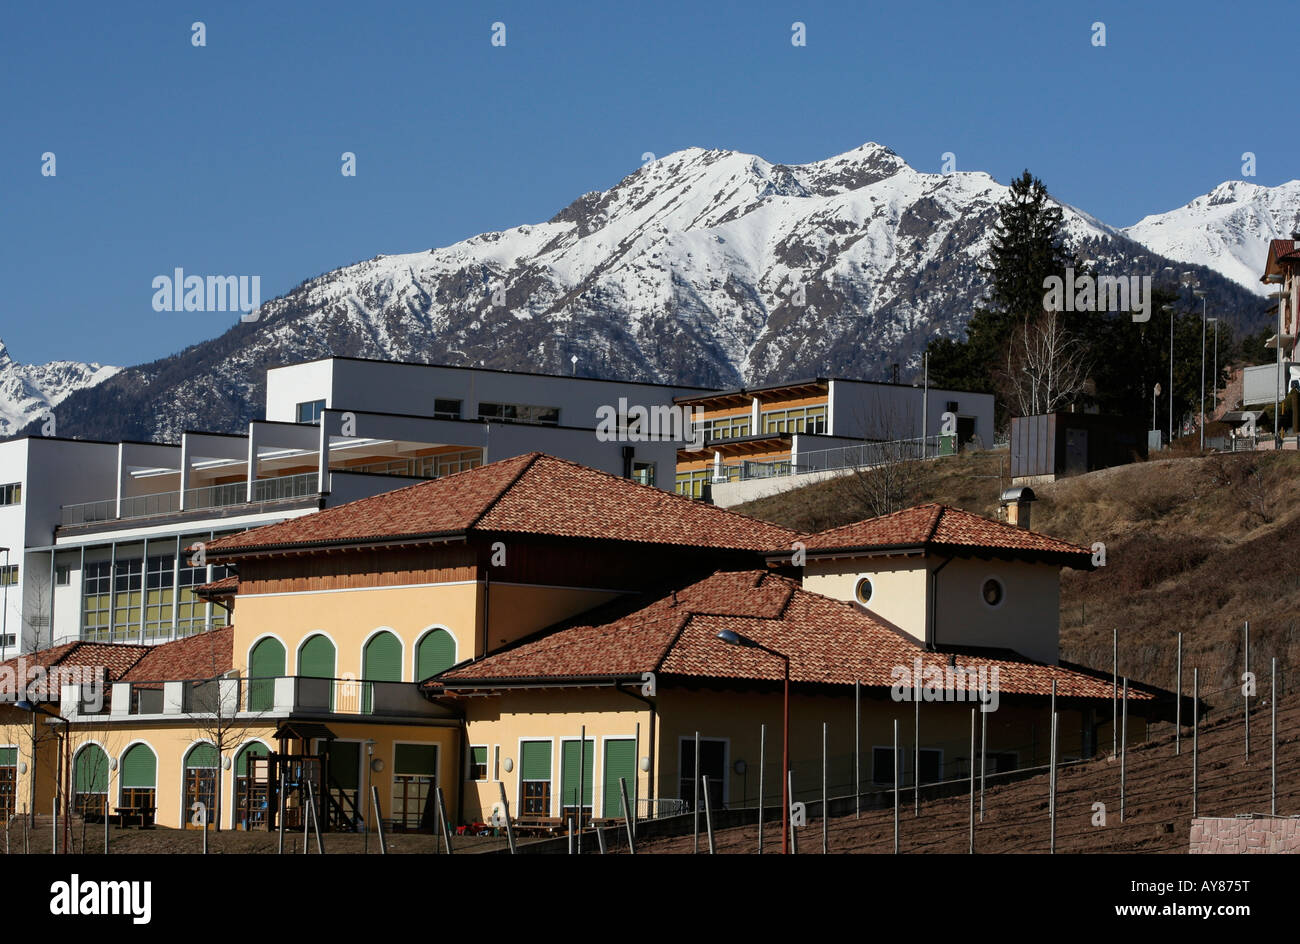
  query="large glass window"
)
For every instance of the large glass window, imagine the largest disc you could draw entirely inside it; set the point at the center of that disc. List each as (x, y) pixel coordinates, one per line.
(727, 427)
(96, 600)
(191, 611)
(159, 575)
(9, 575)
(8, 782)
(128, 579)
(694, 484)
(11, 494)
(446, 409)
(535, 778)
(201, 783)
(520, 413)
(800, 419)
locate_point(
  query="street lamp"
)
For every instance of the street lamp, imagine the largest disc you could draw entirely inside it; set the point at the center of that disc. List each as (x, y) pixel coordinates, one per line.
(735, 639)
(1214, 380)
(36, 708)
(1200, 293)
(1278, 296)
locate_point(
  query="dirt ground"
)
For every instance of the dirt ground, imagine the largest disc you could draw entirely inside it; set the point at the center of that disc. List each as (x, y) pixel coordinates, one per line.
(1157, 814)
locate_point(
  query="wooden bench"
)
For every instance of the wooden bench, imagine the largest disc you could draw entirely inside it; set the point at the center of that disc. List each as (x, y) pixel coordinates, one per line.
(145, 815)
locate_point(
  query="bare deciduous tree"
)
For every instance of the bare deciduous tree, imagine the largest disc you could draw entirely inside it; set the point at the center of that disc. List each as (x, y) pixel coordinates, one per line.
(1047, 367)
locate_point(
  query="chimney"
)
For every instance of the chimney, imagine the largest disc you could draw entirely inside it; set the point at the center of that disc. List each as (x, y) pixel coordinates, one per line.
(1015, 504)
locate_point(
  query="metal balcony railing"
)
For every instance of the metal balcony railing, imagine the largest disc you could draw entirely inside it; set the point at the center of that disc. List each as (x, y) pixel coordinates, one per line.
(281, 488)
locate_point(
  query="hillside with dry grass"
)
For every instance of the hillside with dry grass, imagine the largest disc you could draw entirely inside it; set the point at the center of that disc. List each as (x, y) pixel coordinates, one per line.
(1194, 544)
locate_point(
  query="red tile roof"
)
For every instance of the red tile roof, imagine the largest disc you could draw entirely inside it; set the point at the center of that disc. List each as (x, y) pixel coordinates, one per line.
(225, 587)
(116, 658)
(203, 656)
(529, 494)
(942, 527)
(829, 642)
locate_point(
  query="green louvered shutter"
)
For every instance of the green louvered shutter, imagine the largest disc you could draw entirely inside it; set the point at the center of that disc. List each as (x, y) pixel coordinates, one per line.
(620, 761)
(535, 760)
(90, 772)
(8, 756)
(478, 759)
(416, 759)
(201, 755)
(437, 654)
(383, 659)
(139, 767)
(569, 773)
(316, 660)
(241, 762)
(266, 663)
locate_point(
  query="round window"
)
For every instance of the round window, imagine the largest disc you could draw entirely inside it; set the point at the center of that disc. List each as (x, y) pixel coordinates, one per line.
(863, 590)
(992, 592)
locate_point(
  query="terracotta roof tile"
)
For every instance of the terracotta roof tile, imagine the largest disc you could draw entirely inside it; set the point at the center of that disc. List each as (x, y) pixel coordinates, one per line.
(115, 658)
(530, 494)
(203, 656)
(827, 641)
(943, 527)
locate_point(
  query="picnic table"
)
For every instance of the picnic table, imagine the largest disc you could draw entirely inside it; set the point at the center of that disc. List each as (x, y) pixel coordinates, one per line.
(145, 815)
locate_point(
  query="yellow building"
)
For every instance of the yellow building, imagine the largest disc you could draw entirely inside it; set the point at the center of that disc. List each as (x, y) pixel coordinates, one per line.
(533, 626)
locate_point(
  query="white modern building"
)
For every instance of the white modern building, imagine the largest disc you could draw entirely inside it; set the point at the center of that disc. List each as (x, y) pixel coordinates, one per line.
(96, 531)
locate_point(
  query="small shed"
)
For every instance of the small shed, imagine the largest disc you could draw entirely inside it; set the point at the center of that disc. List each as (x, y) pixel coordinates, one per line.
(1051, 445)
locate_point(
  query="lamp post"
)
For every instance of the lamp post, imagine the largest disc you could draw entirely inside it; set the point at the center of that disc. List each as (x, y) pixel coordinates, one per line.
(1155, 392)
(35, 708)
(1214, 378)
(735, 639)
(1200, 293)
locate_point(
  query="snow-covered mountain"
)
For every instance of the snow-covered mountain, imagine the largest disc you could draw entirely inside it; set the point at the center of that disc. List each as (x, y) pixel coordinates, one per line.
(28, 390)
(708, 267)
(1227, 229)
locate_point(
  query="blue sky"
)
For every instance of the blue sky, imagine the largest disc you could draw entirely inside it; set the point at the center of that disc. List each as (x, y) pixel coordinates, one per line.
(226, 159)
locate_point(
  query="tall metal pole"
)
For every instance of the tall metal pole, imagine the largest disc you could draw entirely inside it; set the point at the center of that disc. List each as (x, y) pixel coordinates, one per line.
(925, 409)
(984, 755)
(505, 809)
(1196, 731)
(627, 816)
(896, 766)
(857, 750)
(280, 820)
(1171, 373)
(1051, 787)
(972, 781)
(794, 833)
(762, 765)
(4, 621)
(1178, 706)
(825, 816)
(1245, 690)
(582, 781)
(1123, 754)
(787, 776)
(695, 777)
(708, 815)
(916, 752)
(1272, 776)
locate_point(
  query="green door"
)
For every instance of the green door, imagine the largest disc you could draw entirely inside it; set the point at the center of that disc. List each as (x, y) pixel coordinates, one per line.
(620, 761)
(381, 662)
(265, 664)
(569, 774)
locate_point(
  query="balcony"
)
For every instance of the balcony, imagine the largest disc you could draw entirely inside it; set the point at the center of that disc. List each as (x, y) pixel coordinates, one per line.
(283, 696)
(283, 488)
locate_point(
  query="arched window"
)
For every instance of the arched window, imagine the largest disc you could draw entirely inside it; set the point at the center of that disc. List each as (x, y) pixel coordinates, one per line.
(90, 782)
(251, 786)
(435, 653)
(139, 779)
(265, 663)
(381, 661)
(202, 768)
(316, 657)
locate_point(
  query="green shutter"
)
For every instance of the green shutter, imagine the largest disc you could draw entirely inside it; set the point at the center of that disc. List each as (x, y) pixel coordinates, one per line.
(266, 662)
(437, 654)
(8, 756)
(139, 767)
(418, 759)
(478, 755)
(90, 770)
(201, 755)
(316, 660)
(620, 761)
(383, 661)
(345, 763)
(535, 760)
(241, 762)
(569, 772)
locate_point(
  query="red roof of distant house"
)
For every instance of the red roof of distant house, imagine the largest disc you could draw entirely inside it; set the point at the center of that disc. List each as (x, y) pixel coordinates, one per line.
(529, 494)
(941, 527)
(203, 656)
(828, 642)
(116, 658)
(225, 587)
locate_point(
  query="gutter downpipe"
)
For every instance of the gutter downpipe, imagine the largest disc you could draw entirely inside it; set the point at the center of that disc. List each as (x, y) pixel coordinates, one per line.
(933, 621)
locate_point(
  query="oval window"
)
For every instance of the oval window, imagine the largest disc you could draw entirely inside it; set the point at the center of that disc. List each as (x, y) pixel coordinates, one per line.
(992, 592)
(863, 590)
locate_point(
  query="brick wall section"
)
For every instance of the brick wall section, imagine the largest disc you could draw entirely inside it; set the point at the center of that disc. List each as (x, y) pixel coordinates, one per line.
(1233, 836)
